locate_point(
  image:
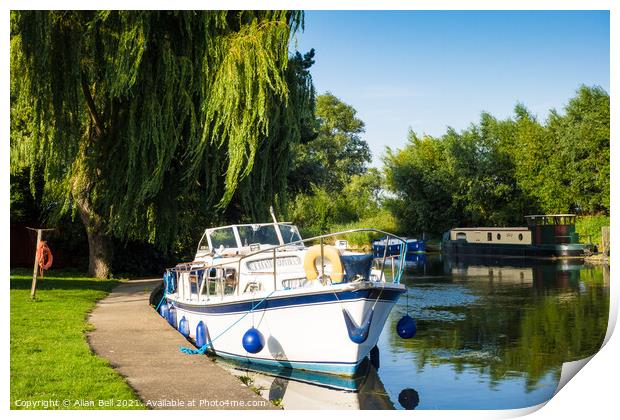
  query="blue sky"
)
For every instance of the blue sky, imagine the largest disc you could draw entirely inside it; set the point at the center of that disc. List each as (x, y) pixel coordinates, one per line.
(429, 70)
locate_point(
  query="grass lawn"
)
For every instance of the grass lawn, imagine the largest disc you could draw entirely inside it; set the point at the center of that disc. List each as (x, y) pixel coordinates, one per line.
(50, 357)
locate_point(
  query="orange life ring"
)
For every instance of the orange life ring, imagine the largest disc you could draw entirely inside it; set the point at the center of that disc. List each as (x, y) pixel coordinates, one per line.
(44, 257)
(330, 253)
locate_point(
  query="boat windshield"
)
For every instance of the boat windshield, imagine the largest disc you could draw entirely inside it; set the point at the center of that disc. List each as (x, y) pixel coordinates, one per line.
(264, 234)
(258, 234)
(289, 234)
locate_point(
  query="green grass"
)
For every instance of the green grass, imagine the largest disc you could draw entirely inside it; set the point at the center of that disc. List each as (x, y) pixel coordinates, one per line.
(50, 357)
(589, 228)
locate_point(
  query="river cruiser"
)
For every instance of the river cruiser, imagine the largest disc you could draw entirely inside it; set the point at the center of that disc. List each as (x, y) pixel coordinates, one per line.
(415, 247)
(259, 293)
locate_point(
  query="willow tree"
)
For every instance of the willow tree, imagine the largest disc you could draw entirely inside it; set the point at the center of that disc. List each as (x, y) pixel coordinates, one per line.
(132, 118)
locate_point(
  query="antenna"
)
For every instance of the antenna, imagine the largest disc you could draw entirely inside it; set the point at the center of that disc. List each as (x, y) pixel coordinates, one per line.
(273, 215)
(277, 227)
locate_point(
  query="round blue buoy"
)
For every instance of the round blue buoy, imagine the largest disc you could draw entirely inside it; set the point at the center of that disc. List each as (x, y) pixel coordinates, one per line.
(253, 341)
(184, 326)
(201, 334)
(406, 327)
(172, 316)
(163, 310)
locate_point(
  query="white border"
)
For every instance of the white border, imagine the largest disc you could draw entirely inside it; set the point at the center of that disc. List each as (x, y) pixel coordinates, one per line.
(592, 394)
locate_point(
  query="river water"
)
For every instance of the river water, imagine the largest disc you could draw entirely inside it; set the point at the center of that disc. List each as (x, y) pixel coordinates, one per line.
(492, 334)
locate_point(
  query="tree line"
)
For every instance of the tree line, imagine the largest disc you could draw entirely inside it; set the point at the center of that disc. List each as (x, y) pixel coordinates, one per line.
(496, 171)
(490, 174)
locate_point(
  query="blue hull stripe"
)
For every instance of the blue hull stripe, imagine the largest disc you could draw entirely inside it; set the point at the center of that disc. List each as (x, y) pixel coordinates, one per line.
(337, 368)
(299, 300)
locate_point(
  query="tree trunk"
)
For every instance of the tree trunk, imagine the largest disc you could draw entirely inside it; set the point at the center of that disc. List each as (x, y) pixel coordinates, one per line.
(99, 254)
(100, 249)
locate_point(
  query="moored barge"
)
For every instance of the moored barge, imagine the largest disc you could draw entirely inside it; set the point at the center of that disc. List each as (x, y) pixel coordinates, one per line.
(546, 236)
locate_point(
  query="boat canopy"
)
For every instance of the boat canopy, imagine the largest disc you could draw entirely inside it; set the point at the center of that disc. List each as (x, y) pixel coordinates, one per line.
(249, 235)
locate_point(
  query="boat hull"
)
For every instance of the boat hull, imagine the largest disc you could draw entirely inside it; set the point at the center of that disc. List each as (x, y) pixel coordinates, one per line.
(414, 248)
(305, 330)
(509, 250)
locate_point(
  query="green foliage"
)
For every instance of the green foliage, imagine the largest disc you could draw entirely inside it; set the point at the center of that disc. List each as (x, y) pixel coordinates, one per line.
(381, 220)
(142, 118)
(422, 184)
(564, 164)
(24, 206)
(330, 186)
(589, 228)
(317, 212)
(50, 358)
(335, 153)
(495, 172)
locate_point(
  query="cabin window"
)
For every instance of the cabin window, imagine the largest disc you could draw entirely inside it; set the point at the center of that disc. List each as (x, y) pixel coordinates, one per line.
(499, 236)
(223, 237)
(489, 237)
(520, 236)
(460, 235)
(230, 281)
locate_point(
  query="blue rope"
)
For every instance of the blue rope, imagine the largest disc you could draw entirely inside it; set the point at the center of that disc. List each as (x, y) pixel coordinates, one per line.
(204, 348)
(403, 257)
(160, 302)
(165, 290)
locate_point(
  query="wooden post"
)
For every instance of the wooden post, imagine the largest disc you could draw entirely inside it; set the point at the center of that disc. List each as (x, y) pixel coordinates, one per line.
(35, 271)
(605, 239)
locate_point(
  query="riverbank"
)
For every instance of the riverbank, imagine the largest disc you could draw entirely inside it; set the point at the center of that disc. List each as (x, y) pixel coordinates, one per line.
(145, 350)
(52, 365)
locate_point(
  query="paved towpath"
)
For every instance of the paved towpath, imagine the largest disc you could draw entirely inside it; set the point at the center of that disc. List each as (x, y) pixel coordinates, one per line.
(143, 348)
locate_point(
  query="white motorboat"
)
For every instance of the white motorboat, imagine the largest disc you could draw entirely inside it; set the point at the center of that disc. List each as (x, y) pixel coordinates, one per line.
(259, 293)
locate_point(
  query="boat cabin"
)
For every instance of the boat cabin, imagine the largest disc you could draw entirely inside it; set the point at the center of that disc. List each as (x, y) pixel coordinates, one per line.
(553, 228)
(511, 235)
(241, 239)
(540, 229)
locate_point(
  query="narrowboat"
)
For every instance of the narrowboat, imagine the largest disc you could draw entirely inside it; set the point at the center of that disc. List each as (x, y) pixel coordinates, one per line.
(259, 293)
(547, 236)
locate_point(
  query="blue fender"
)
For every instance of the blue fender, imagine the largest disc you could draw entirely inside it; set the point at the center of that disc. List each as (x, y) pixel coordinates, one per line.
(358, 334)
(201, 334)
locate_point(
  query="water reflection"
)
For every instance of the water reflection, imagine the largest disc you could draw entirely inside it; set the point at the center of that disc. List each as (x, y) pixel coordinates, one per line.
(295, 389)
(491, 334)
(501, 327)
(409, 398)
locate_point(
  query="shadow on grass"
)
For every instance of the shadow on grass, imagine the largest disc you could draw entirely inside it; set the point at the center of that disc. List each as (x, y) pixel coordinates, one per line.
(59, 280)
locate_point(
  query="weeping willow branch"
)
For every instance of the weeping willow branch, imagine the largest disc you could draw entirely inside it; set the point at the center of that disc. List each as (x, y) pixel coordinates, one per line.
(194, 107)
(92, 110)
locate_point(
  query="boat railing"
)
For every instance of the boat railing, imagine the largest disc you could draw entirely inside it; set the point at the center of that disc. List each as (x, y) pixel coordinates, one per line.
(205, 280)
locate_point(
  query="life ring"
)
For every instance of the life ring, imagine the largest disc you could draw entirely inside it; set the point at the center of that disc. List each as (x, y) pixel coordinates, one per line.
(330, 253)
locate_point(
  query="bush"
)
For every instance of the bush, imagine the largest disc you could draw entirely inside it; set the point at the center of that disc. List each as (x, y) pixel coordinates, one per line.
(589, 228)
(382, 220)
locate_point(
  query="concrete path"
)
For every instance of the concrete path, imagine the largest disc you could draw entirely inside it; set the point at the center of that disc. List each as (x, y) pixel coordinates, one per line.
(143, 348)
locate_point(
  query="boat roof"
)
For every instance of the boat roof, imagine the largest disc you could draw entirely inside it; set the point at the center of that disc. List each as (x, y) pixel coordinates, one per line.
(550, 215)
(469, 229)
(247, 224)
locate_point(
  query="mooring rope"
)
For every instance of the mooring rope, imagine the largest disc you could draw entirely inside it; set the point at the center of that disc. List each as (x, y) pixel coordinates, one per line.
(167, 276)
(204, 348)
